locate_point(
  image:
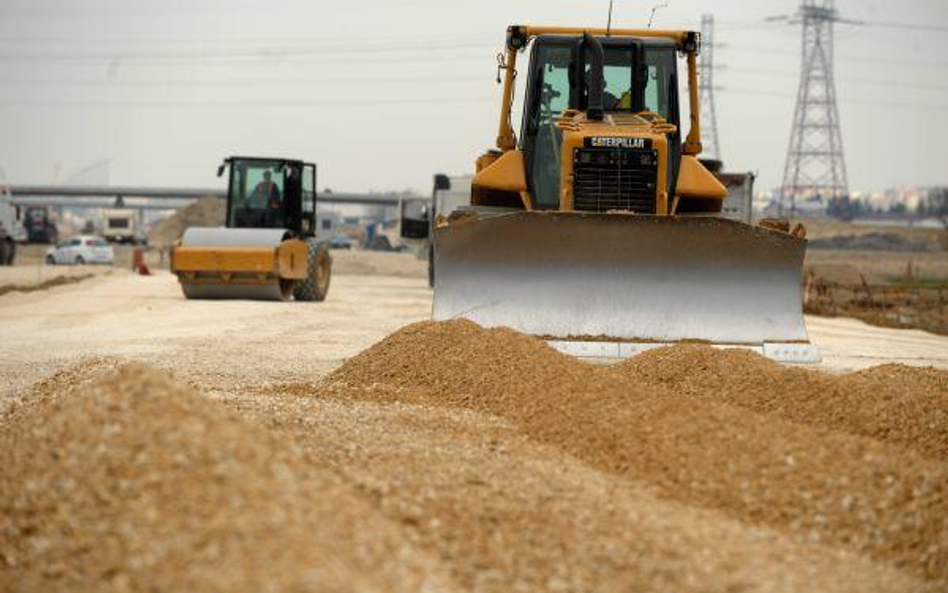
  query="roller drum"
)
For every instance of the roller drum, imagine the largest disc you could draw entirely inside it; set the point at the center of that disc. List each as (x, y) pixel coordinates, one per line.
(224, 237)
(237, 283)
(280, 290)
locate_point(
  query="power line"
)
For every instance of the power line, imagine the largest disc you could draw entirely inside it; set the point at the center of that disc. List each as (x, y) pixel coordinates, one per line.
(786, 96)
(173, 42)
(440, 58)
(908, 62)
(459, 80)
(888, 83)
(110, 85)
(262, 52)
(904, 26)
(137, 10)
(761, 24)
(451, 100)
(433, 79)
(427, 101)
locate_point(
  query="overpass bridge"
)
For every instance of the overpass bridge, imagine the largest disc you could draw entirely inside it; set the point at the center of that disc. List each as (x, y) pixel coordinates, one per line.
(152, 198)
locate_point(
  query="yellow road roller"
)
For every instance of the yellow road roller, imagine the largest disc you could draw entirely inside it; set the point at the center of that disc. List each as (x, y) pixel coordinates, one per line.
(268, 248)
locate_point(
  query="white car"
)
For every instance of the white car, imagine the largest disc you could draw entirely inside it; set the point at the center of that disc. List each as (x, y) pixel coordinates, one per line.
(78, 251)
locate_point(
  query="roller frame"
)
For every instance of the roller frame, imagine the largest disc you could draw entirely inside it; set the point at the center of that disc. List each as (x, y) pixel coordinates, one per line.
(236, 264)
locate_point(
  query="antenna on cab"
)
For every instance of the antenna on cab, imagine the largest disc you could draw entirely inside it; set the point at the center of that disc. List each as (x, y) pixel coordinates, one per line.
(609, 23)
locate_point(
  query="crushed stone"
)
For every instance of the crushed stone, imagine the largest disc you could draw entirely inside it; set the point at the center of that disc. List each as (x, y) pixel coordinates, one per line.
(822, 484)
(895, 404)
(135, 483)
(509, 514)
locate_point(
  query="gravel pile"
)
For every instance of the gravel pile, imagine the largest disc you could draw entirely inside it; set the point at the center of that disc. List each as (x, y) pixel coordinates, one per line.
(508, 514)
(898, 405)
(453, 458)
(825, 485)
(134, 483)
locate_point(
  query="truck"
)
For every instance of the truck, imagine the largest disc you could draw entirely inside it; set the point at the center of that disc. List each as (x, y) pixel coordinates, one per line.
(739, 203)
(11, 231)
(118, 226)
(420, 217)
(39, 223)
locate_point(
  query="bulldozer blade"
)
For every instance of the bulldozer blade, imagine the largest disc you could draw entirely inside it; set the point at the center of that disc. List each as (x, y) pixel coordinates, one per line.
(611, 285)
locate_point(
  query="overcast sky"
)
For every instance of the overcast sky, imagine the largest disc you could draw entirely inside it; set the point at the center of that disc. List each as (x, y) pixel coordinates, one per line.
(383, 93)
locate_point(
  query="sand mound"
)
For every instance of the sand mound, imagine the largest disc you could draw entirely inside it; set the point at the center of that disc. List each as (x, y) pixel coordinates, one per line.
(63, 382)
(59, 384)
(45, 284)
(209, 211)
(134, 483)
(903, 406)
(829, 486)
(509, 514)
(459, 362)
(931, 382)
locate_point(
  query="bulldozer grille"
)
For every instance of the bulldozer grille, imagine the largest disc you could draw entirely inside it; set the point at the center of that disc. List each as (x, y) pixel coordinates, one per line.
(607, 179)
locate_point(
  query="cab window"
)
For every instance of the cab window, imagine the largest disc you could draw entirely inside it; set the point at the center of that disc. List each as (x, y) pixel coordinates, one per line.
(661, 83)
(549, 96)
(554, 95)
(256, 194)
(309, 188)
(618, 78)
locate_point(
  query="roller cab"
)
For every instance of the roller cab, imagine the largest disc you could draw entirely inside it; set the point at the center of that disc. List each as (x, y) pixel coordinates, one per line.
(268, 249)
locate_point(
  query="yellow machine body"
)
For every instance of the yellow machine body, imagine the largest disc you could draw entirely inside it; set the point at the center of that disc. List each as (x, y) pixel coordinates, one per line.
(501, 176)
(601, 277)
(224, 263)
(268, 248)
(242, 264)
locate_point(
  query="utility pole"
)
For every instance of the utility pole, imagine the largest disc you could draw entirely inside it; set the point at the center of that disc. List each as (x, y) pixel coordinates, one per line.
(815, 166)
(709, 118)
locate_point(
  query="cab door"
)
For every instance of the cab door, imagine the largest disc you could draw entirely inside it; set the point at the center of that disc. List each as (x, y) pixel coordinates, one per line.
(309, 199)
(661, 97)
(548, 95)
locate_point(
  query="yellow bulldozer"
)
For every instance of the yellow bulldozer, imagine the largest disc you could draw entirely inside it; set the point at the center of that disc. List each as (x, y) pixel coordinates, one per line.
(599, 229)
(268, 248)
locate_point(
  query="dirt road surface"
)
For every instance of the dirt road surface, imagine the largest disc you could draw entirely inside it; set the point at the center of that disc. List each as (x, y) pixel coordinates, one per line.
(145, 319)
(26, 278)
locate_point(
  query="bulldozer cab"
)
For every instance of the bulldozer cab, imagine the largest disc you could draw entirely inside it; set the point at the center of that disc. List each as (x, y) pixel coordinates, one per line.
(265, 193)
(634, 76)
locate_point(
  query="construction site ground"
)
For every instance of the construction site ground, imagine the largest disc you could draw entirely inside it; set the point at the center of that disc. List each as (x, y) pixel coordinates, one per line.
(115, 313)
(260, 446)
